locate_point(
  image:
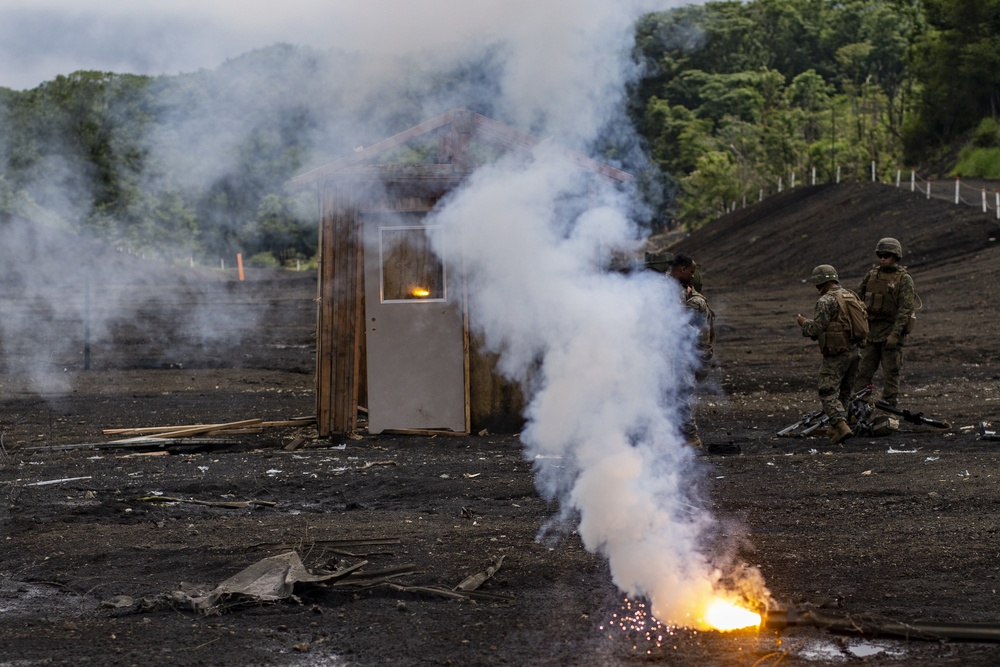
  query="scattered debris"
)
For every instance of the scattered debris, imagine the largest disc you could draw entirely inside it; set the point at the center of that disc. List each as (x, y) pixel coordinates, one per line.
(267, 580)
(178, 437)
(59, 481)
(295, 444)
(166, 444)
(230, 504)
(338, 547)
(200, 429)
(275, 578)
(475, 581)
(372, 464)
(874, 625)
(174, 431)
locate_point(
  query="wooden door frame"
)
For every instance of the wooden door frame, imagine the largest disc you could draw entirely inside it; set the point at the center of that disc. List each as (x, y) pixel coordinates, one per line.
(340, 303)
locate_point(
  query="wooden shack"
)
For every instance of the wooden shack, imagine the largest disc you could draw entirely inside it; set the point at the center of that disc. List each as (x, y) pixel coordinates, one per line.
(393, 343)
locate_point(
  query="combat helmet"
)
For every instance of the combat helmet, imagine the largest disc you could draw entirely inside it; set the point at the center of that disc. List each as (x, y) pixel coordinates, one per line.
(823, 273)
(889, 244)
(659, 261)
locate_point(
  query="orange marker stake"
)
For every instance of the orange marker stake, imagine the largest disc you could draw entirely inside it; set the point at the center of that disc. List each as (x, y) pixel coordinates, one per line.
(239, 264)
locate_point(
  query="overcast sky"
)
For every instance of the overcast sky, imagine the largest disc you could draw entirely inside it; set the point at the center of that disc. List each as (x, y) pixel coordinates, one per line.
(40, 39)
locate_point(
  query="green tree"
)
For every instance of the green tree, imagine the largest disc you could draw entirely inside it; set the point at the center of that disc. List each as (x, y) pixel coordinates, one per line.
(958, 63)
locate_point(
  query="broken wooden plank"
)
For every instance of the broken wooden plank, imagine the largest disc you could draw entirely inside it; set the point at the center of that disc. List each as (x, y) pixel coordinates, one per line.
(422, 431)
(229, 504)
(149, 430)
(377, 541)
(58, 481)
(474, 581)
(450, 593)
(294, 444)
(197, 430)
(135, 443)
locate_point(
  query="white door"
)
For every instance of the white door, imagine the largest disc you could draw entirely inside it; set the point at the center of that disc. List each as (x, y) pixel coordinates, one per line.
(414, 324)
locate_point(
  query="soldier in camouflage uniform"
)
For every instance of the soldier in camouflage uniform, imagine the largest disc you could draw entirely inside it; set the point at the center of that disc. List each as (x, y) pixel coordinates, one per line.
(840, 352)
(684, 270)
(887, 290)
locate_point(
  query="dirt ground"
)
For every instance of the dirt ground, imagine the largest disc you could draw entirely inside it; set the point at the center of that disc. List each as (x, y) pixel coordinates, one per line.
(903, 526)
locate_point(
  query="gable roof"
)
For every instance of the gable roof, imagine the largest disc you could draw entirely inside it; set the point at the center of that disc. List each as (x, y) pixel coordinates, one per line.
(482, 129)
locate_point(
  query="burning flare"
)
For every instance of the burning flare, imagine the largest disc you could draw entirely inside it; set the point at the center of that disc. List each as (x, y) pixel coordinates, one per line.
(724, 616)
(420, 292)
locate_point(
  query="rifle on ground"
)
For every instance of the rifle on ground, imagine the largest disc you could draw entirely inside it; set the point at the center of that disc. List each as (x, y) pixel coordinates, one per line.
(914, 417)
(857, 409)
(806, 421)
(987, 435)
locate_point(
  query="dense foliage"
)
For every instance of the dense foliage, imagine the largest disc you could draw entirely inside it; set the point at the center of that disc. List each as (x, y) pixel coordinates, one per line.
(738, 96)
(734, 97)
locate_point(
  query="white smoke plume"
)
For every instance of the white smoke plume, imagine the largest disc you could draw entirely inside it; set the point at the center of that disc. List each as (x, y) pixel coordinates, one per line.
(606, 357)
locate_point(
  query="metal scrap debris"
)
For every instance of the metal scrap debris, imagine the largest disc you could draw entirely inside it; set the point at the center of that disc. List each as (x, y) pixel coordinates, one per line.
(275, 578)
(267, 580)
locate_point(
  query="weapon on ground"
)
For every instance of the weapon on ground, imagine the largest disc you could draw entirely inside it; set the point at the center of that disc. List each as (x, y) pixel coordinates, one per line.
(857, 410)
(806, 420)
(913, 417)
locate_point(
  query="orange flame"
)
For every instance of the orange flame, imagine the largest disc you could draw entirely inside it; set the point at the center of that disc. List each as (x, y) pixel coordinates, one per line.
(420, 292)
(726, 616)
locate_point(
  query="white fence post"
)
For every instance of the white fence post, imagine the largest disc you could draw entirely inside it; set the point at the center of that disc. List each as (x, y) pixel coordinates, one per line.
(985, 208)
(958, 184)
(913, 180)
(814, 175)
(760, 195)
(928, 188)
(792, 184)
(779, 183)
(898, 174)
(997, 191)
(873, 171)
(838, 174)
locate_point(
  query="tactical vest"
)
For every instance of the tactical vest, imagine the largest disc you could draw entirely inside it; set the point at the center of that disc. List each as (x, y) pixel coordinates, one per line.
(840, 335)
(882, 293)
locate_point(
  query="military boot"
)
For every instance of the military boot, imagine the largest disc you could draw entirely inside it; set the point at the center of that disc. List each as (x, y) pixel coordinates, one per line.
(840, 431)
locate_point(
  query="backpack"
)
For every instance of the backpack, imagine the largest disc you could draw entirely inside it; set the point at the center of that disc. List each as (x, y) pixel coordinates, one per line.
(849, 328)
(856, 314)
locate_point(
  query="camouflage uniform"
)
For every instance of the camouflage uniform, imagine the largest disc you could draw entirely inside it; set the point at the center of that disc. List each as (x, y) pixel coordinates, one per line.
(891, 317)
(838, 370)
(704, 319)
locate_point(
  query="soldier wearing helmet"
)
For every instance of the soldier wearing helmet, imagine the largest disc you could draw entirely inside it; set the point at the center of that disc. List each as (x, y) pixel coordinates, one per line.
(887, 290)
(684, 270)
(831, 326)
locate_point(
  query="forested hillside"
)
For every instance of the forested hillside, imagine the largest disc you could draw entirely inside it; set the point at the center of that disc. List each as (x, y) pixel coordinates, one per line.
(729, 99)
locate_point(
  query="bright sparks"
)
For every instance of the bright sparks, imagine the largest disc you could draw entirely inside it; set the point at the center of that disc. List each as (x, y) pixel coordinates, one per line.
(725, 616)
(636, 625)
(420, 292)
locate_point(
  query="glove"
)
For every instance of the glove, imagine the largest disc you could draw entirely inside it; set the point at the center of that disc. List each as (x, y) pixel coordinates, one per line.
(892, 342)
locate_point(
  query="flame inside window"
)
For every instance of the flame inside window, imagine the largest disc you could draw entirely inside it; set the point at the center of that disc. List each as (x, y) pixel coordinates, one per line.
(411, 270)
